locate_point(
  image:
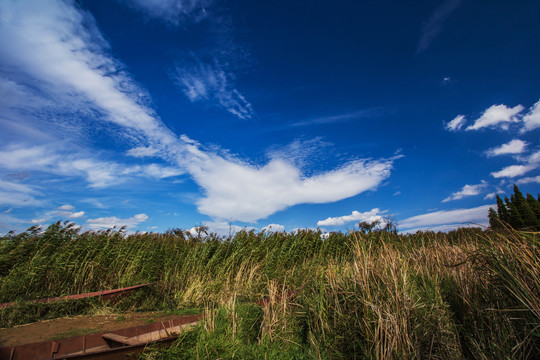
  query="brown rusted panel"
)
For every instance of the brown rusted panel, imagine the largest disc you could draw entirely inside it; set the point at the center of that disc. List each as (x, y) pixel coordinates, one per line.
(72, 348)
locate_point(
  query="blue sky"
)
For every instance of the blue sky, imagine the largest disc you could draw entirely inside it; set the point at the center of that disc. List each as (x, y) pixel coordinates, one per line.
(247, 114)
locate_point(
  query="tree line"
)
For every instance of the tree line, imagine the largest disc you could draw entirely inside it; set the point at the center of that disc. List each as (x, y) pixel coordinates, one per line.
(519, 212)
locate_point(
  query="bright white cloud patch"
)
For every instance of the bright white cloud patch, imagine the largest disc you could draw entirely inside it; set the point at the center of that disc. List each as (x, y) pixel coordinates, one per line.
(497, 116)
(534, 158)
(529, 180)
(513, 171)
(532, 119)
(368, 216)
(113, 221)
(515, 146)
(248, 193)
(66, 207)
(447, 217)
(211, 83)
(456, 124)
(51, 45)
(58, 50)
(273, 228)
(71, 215)
(467, 190)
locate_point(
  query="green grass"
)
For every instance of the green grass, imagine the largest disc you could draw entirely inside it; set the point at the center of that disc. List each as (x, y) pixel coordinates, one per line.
(468, 294)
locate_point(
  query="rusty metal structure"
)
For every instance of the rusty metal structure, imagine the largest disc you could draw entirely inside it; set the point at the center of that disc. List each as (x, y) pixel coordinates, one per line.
(109, 345)
(114, 294)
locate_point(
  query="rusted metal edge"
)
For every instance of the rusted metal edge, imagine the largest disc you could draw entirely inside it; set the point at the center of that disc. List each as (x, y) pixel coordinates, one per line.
(105, 294)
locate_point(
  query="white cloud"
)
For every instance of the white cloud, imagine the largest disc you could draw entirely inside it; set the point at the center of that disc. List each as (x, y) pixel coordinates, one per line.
(57, 49)
(66, 207)
(143, 151)
(273, 228)
(532, 119)
(497, 116)
(433, 26)
(513, 171)
(161, 172)
(490, 196)
(529, 180)
(444, 228)
(467, 190)
(98, 173)
(207, 82)
(71, 215)
(37, 221)
(248, 193)
(369, 216)
(113, 221)
(477, 215)
(456, 124)
(515, 146)
(172, 11)
(534, 158)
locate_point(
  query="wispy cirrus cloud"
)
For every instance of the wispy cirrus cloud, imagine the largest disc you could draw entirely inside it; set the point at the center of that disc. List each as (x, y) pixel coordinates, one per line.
(515, 146)
(467, 190)
(59, 50)
(356, 216)
(446, 219)
(172, 11)
(210, 82)
(434, 25)
(344, 117)
(17, 194)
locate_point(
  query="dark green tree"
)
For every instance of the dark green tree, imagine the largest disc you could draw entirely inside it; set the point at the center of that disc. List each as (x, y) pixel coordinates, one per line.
(519, 212)
(502, 211)
(494, 222)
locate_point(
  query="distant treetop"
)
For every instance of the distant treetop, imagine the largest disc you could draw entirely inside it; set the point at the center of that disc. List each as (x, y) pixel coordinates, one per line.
(518, 212)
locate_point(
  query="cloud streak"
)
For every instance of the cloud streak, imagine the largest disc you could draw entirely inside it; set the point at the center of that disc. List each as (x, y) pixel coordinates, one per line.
(369, 216)
(59, 50)
(446, 218)
(209, 82)
(434, 25)
(467, 190)
(172, 11)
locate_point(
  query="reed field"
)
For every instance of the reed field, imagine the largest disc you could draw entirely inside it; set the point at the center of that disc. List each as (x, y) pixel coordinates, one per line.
(467, 294)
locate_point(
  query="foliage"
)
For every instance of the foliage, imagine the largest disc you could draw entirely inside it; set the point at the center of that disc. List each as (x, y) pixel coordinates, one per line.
(468, 294)
(518, 213)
